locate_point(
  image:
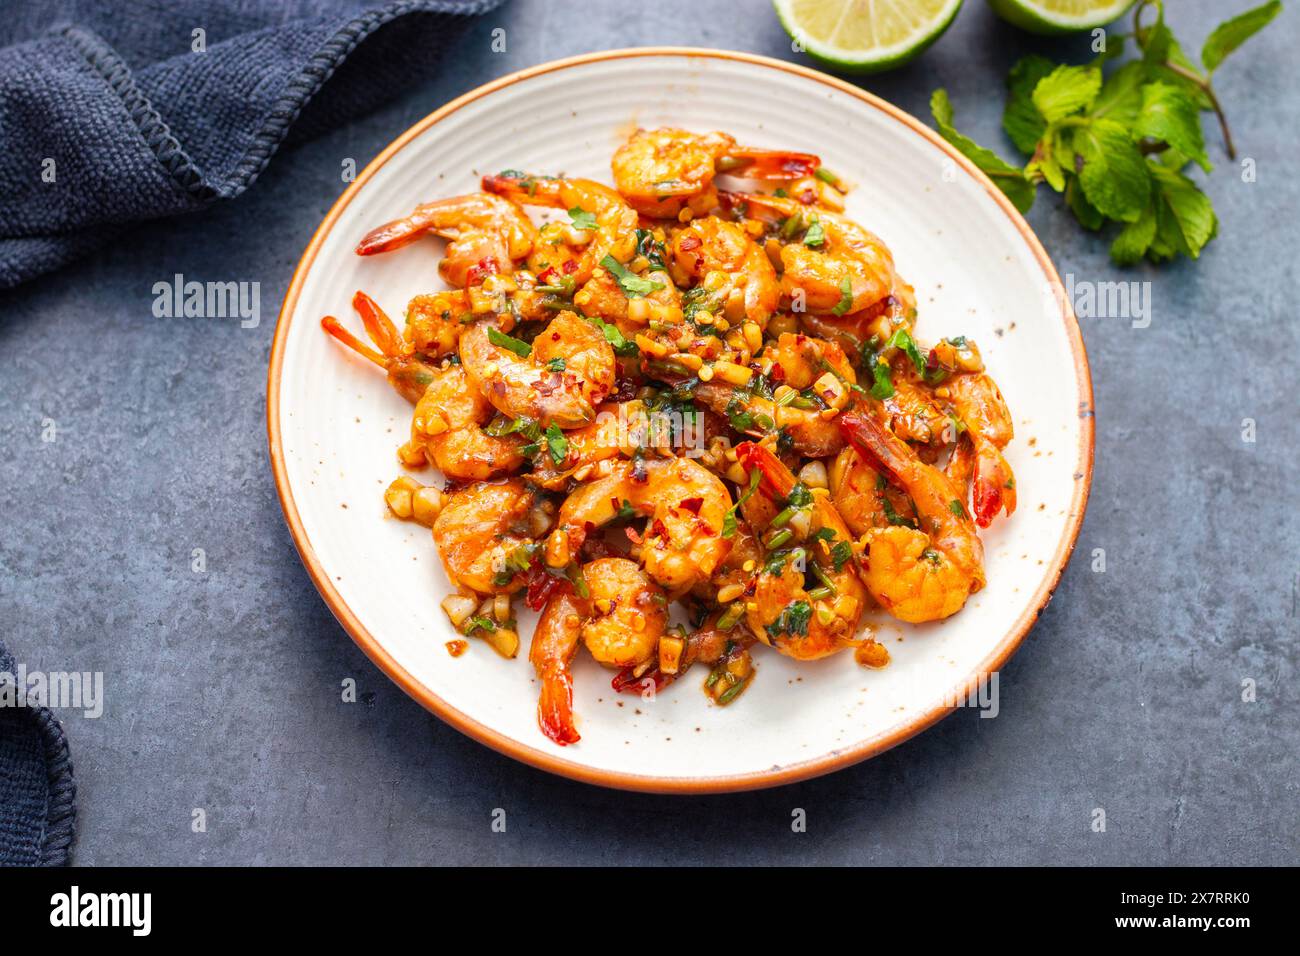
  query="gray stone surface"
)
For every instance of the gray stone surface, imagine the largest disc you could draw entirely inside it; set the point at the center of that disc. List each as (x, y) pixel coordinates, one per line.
(223, 687)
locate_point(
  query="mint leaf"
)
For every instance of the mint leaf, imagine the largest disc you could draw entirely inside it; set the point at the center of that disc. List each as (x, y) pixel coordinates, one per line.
(815, 235)
(1230, 34)
(1134, 239)
(1120, 98)
(582, 219)
(1115, 178)
(633, 285)
(556, 444)
(1012, 181)
(1021, 119)
(846, 297)
(1083, 210)
(1066, 90)
(1185, 219)
(1171, 116)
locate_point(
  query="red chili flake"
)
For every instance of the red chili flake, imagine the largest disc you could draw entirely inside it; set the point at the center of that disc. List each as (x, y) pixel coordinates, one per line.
(658, 530)
(777, 375)
(541, 586)
(690, 242)
(808, 197)
(570, 267)
(702, 527)
(487, 266)
(547, 276)
(692, 504)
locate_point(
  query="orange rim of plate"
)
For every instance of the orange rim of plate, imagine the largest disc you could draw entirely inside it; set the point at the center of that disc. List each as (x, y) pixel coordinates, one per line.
(553, 762)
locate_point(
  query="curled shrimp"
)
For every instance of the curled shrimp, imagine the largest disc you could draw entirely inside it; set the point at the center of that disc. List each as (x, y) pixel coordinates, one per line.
(487, 234)
(614, 233)
(566, 373)
(802, 621)
(978, 402)
(848, 270)
(447, 430)
(661, 171)
(732, 277)
(620, 622)
(482, 528)
(686, 504)
(926, 573)
(864, 495)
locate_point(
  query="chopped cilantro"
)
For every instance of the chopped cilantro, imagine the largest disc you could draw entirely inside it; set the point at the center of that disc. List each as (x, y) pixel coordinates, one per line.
(633, 285)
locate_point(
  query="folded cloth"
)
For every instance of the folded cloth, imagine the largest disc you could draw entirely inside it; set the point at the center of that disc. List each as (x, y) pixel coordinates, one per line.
(37, 806)
(116, 112)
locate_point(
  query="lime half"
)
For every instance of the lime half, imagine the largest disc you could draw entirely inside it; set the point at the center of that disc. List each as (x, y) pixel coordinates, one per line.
(865, 36)
(1059, 16)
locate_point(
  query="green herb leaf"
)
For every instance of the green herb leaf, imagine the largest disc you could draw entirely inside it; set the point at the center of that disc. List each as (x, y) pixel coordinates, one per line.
(1115, 177)
(616, 339)
(1134, 239)
(729, 520)
(555, 365)
(1066, 90)
(1006, 177)
(518, 346)
(479, 623)
(1021, 119)
(633, 286)
(793, 620)
(557, 444)
(1230, 34)
(846, 297)
(1185, 219)
(582, 219)
(1169, 115)
(651, 248)
(841, 554)
(815, 235)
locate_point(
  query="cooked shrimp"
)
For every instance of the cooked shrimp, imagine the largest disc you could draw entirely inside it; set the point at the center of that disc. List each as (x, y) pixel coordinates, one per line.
(978, 402)
(663, 170)
(848, 270)
(923, 574)
(802, 622)
(615, 221)
(804, 359)
(620, 623)
(687, 505)
(879, 321)
(487, 235)
(434, 322)
(732, 277)
(566, 373)
(479, 531)
(864, 495)
(447, 430)
(809, 433)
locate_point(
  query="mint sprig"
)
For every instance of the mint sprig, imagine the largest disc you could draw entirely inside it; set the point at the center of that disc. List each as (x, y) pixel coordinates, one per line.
(1114, 139)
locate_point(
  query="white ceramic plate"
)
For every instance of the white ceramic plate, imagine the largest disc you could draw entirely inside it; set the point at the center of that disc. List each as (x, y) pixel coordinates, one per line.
(978, 270)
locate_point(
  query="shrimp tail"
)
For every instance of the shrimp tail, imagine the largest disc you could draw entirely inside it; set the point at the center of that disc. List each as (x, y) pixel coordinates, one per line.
(378, 325)
(867, 433)
(335, 328)
(995, 488)
(768, 163)
(778, 481)
(393, 235)
(555, 707)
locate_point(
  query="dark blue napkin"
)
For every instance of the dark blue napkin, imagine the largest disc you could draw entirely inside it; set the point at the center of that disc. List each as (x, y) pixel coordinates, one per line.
(37, 809)
(110, 114)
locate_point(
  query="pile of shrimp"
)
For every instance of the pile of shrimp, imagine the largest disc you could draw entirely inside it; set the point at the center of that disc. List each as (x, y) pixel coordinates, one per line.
(671, 391)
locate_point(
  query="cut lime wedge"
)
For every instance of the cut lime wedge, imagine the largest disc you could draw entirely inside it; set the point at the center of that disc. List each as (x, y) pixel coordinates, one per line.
(865, 36)
(1059, 16)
